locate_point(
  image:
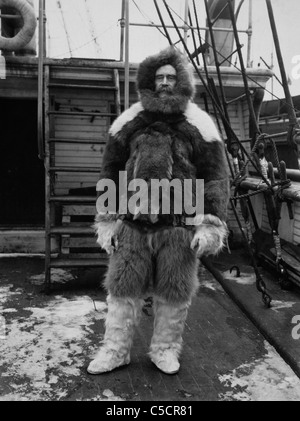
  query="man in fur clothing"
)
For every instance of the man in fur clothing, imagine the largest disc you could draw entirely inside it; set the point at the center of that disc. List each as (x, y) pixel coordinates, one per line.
(163, 136)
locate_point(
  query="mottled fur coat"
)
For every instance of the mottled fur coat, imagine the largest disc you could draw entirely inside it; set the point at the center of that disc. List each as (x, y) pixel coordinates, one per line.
(168, 138)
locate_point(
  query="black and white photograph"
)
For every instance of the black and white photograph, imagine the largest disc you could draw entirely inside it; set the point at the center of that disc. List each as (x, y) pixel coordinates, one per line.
(149, 203)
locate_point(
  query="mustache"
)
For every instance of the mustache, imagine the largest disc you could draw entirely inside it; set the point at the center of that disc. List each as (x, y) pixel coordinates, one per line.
(166, 89)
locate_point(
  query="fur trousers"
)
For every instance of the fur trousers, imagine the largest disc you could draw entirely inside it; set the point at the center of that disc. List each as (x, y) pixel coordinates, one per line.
(160, 263)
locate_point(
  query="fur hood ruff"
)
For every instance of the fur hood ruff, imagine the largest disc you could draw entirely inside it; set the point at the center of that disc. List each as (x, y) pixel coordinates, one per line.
(183, 91)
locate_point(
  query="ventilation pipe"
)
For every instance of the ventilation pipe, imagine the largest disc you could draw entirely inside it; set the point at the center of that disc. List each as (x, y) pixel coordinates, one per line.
(224, 39)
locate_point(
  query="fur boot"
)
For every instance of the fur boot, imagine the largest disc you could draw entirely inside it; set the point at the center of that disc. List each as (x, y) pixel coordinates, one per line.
(122, 317)
(166, 341)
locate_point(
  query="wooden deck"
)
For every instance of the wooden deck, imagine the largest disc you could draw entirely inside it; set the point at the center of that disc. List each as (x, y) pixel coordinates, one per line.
(50, 339)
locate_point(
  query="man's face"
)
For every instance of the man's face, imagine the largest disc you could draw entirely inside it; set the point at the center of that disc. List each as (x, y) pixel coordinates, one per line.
(165, 80)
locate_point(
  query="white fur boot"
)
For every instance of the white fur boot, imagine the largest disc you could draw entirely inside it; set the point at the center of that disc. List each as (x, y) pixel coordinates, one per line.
(166, 341)
(122, 317)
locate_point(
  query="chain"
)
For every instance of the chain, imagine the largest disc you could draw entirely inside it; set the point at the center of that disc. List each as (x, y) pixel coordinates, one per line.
(261, 287)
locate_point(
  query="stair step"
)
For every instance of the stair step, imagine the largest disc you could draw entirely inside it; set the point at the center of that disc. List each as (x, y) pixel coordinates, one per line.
(75, 169)
(76, 240)
(74, 85)
(78, 263)
(80, 141)
(73, 199)
(82, 113)
(75, 230)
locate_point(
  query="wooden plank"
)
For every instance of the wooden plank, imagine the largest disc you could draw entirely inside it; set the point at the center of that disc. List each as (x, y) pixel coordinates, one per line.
(24, 241)
(82, 169)
(59, 263)
(81, 109)
(84, 135)
(72, 210)
(294, 251)
(88, 158)
(81, 180)
(73, 199)
(97, 255)
(85, 150)
(86, 97)
(80, 123)
(78, 118)
(73, 140)
(82, 99)
(81, 86)
(86, 221)
(297, 231)
(88, 150)
(63, 190)
(78, 230)
(82, 113)
(79, 242)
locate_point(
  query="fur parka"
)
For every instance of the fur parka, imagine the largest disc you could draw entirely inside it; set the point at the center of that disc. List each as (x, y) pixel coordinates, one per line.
(168, 138)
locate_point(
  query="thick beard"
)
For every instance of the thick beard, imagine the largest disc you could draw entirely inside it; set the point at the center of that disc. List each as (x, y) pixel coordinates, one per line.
(167, 101)
(165, 91)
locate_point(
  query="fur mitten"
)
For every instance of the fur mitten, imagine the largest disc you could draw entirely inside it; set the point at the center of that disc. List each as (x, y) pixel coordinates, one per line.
(210, 236)
(106, 231)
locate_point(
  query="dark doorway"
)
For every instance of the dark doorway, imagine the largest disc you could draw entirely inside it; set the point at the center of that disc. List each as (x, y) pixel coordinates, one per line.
(22, 186)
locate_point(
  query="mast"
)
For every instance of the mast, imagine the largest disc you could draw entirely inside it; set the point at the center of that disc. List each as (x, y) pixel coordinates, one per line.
(250, 32)
(122, 24)
(126, 92)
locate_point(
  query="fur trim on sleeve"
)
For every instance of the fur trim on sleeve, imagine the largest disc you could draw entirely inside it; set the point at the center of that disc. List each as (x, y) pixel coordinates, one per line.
(203, 122)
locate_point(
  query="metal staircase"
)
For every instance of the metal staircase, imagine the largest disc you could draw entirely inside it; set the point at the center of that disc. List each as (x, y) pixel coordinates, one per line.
(70, 241)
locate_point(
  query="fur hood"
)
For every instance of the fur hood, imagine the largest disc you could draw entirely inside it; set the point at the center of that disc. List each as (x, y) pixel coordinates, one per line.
(184, 89)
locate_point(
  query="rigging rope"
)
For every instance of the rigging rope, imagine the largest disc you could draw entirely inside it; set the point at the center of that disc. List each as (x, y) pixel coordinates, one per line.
(235, 66)
(147, 18)
(65, 26)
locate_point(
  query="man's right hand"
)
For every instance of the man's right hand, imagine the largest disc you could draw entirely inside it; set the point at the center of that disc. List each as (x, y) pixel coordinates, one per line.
(107, 235)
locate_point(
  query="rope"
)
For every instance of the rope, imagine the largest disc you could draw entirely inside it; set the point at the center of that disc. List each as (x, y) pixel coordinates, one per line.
(277, 244)
(226, 59)
(147, 18)
(276, 158)
(218, 107)
(264, 166)
(259, 138)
